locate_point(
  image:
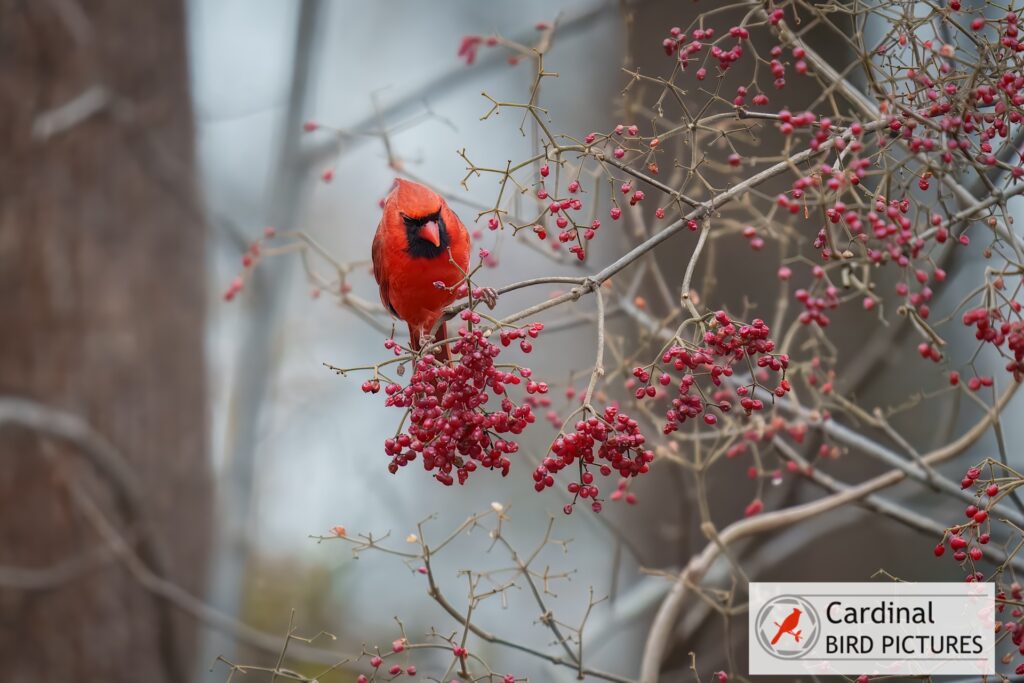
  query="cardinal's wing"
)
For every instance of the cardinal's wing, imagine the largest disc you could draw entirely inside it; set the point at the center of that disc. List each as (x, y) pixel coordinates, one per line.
(380, 270)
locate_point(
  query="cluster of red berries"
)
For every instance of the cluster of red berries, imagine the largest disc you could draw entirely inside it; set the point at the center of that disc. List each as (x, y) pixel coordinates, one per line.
(635, 196)
(887, 229)
(779, 69)
(451, 427)
(726, 343)
(689, 47)
(790, 122)
(524, 334)
(378, 662)
(826, 178)
(891, 240)
(935, 114)
(1013, 625)
(991, 328)
(965, 540)
(569, 229)
(815, 306)
(755, 241)
(608, 443)
(560, 209)
(929, 351)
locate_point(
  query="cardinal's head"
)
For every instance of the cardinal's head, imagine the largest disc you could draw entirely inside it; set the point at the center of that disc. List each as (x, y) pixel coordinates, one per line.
(422, 212)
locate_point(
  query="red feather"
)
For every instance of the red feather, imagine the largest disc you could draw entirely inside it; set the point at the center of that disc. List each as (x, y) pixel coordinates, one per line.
(404, 274)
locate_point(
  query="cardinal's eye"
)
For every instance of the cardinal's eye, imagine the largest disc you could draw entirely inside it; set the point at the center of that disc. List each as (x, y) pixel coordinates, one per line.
(417, 222)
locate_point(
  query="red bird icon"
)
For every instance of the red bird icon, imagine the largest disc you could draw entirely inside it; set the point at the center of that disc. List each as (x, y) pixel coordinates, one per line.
(419, 242)
(787, 626)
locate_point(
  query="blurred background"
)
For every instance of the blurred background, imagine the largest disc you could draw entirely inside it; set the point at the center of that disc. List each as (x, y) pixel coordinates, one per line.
(166, 454)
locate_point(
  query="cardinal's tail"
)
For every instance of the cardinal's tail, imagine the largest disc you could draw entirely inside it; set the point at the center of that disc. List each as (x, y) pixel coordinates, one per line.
(777, 636)
(414, 338)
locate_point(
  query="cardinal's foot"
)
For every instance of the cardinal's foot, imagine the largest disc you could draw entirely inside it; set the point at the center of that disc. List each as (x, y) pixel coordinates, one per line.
(489, 296)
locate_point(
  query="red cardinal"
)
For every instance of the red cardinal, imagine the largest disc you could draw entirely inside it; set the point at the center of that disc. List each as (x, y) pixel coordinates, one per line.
(419, 242)
(787, 626)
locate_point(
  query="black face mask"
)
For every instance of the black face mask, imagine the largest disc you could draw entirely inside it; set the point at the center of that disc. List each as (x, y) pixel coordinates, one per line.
(419, 247)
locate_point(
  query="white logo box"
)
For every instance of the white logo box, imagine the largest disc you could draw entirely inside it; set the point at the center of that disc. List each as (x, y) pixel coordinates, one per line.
(879, 629)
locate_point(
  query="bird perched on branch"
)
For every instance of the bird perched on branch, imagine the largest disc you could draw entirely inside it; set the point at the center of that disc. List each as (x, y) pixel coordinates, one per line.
(419, 244)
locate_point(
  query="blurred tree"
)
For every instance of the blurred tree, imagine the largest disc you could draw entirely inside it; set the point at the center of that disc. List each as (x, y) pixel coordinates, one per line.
(102, 311)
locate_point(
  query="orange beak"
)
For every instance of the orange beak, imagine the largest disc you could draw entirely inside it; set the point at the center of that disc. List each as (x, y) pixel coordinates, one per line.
(431, 233)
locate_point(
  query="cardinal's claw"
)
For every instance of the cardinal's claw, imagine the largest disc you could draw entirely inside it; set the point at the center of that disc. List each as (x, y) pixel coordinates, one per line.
(489, 296)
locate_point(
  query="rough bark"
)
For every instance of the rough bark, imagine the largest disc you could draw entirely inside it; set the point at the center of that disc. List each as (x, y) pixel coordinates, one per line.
(101, 315)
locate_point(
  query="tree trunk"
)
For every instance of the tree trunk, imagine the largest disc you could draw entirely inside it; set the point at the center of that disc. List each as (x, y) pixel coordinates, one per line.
(101, 316)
